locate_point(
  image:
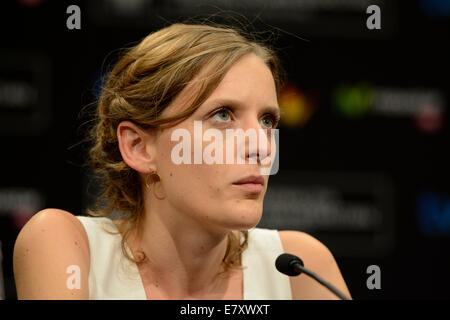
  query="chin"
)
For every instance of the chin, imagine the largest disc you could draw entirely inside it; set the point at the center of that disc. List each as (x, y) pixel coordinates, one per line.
(245, 219)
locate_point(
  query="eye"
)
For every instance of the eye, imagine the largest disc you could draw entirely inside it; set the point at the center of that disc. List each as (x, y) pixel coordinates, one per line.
(222, 115)
(270, 121)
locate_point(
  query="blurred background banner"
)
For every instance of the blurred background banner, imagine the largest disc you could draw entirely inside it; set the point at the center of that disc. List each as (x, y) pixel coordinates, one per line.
(364, 136)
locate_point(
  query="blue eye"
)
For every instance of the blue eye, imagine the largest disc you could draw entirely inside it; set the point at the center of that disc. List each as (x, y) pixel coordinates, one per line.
(222, 115)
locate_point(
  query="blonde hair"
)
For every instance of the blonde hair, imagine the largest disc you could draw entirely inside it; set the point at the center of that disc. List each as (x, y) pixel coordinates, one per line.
(143, 82)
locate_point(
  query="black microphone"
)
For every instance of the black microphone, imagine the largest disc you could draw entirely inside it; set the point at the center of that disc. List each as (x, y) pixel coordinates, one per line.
(291, 265)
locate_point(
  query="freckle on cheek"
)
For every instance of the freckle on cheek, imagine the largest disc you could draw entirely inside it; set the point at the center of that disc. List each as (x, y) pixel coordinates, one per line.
(171, 174)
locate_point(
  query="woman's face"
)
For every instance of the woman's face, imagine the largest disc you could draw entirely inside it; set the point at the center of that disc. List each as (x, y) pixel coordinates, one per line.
(207, 192)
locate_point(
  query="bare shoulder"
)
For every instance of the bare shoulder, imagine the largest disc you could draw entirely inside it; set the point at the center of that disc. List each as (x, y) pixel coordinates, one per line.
(55, 217)
(301, 241)
(316, 257)
(54, 223)
(51, 246)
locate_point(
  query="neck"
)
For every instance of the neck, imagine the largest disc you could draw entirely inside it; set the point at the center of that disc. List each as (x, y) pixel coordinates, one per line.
(183, 259)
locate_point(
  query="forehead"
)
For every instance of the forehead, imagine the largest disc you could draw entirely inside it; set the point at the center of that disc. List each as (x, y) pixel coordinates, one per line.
(248, 80)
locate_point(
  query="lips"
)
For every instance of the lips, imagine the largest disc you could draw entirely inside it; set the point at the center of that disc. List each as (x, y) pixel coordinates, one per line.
(250, 184)
(251, 179)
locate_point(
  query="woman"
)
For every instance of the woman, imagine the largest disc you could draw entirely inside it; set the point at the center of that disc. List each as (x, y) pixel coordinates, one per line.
(188, 229)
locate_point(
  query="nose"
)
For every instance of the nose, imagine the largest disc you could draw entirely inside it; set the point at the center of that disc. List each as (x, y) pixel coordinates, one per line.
(258, 143)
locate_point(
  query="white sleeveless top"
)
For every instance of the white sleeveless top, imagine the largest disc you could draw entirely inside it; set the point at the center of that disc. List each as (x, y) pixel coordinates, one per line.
(113, 277)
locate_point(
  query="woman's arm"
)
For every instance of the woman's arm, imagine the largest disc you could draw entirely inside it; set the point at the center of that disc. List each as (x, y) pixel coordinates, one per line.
(317, 258)
(51, 244)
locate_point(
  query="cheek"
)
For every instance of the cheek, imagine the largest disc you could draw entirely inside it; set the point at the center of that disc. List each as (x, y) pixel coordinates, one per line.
(195, 183)
(206, 180)
(202, 182)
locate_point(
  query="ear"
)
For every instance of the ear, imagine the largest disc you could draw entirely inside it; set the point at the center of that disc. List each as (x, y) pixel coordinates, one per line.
(137, 147)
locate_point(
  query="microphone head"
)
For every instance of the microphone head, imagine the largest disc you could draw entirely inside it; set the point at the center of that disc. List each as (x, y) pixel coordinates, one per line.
(285, 264)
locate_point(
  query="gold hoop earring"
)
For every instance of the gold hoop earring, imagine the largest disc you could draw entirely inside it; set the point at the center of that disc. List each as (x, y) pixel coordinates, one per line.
(148, 176)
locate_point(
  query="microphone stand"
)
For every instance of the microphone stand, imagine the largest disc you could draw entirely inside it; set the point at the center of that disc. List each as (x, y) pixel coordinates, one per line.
(299, 268)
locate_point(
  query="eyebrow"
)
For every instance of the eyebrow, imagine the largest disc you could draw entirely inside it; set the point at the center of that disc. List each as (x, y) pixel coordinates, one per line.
(239, 104)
